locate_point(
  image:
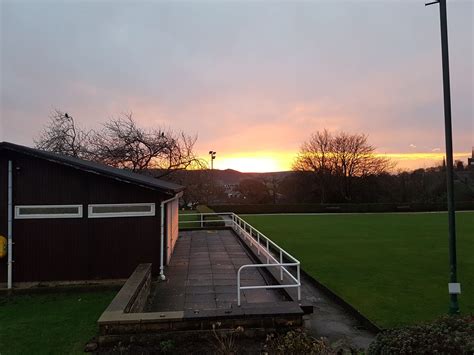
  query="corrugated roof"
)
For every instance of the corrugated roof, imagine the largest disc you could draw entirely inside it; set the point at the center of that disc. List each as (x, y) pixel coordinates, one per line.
(97, 168)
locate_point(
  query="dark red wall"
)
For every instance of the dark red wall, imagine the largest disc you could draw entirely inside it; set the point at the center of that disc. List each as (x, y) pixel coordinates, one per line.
(79, 248)
(3, 211)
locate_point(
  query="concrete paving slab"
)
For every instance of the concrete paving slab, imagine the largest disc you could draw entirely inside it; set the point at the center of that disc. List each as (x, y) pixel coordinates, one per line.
(202, 274)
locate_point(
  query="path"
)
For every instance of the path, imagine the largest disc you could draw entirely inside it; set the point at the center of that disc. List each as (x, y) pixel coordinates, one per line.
(331, 321)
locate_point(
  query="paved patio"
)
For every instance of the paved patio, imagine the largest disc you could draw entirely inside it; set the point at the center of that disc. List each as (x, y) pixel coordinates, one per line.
(202, 275)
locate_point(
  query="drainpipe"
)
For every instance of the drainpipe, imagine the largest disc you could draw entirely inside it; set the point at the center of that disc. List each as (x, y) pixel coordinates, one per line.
(162, 239)
(10, 223)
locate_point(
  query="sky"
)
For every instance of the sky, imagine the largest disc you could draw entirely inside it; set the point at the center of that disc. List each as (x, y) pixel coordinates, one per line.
(251, 79)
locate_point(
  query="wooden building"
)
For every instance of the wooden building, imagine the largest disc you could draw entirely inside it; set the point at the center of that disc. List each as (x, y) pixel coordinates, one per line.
(71, 219)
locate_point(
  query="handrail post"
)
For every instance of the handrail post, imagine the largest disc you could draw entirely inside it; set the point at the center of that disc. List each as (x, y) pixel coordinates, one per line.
(238, 288)
(268, 252)
(299, 281)
(255, 236)
(281, 267)
(258, 242)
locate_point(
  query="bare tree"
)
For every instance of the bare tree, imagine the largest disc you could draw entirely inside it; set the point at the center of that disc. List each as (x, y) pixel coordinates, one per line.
(121, 143)
(315, 155)
(254, 191)
(63, 136)
(272, 184)
(355, 157)
(338, 159)
(201, 187)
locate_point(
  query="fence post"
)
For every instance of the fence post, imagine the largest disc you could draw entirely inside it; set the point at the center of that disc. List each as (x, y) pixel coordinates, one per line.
(202, 221)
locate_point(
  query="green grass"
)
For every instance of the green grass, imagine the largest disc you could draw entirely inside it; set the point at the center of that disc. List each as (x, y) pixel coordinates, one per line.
(59, 323)
(187, 215)
(392, 267)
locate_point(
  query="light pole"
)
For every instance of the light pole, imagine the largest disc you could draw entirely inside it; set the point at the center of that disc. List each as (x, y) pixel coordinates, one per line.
(213, 156)
(454, 287)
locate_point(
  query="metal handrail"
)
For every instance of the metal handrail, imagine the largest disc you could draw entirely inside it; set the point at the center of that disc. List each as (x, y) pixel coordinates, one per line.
(241, 226)
(239, 288)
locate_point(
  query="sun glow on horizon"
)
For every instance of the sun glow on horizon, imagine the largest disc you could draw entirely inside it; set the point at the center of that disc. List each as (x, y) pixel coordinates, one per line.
(258, 162)
(253, 163)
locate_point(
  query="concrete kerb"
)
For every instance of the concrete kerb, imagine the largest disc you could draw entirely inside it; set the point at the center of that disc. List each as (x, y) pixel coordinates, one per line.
(132, 297)
(366, 322)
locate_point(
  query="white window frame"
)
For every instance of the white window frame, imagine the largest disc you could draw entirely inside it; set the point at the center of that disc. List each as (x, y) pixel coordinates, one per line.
(18, 215)
(92, 214)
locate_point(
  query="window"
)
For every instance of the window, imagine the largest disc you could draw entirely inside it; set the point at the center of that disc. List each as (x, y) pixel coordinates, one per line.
(48, 211)
(121, 210)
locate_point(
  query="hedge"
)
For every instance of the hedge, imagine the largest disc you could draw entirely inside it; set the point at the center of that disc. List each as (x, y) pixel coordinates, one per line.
(447, 335)
(204, 209)
(340, 208)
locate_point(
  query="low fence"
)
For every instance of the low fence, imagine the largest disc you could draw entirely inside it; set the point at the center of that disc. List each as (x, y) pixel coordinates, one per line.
(340, 208)
(276, 257)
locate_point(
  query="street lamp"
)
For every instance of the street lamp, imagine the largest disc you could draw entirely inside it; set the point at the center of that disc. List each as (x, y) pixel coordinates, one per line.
(454, 287)
(213, 156)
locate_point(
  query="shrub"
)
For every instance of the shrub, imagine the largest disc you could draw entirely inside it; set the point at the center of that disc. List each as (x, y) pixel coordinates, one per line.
(299, 342)
(447, 335)
(204, 209)
(225, 342)
(167, 346)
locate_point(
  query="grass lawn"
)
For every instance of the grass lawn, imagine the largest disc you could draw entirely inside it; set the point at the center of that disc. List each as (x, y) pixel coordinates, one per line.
(59, 323)
(187, 215)
(392, 267)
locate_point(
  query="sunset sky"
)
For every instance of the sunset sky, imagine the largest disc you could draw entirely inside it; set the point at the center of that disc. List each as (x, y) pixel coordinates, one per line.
(252, 79)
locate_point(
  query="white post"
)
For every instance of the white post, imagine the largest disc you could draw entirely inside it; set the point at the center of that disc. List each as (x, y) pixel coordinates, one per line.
(299, 281)
(238, 288)
(268, 252)
(281, 267)
(258, 241)
(10, 225)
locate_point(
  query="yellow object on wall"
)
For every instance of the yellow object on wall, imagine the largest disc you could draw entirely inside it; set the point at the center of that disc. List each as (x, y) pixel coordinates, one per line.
(3, 246)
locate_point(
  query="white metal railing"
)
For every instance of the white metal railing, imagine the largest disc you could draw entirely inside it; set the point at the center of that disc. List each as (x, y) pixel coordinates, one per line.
(275, 255)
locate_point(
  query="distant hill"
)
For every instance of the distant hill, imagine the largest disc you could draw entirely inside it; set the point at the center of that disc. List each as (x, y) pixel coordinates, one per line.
(232, 177)
(225, 177)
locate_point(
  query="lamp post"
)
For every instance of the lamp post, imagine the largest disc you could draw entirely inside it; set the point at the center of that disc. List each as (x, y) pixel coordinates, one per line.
(454, 287)
(213, 156)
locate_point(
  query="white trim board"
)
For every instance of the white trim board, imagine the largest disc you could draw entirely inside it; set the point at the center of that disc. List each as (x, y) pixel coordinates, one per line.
(92, 214)
(18, 215)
